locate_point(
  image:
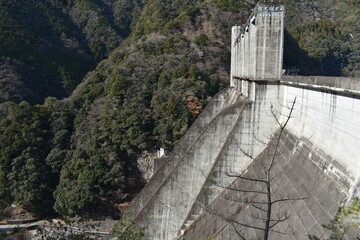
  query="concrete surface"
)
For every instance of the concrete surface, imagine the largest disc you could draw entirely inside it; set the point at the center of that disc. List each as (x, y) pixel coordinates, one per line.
(257, 47)
(220, 101)
(340, 85)
(323, 137)
(296, 175)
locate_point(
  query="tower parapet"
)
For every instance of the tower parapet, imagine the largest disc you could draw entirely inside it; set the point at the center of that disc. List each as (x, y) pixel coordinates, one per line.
(257, 46)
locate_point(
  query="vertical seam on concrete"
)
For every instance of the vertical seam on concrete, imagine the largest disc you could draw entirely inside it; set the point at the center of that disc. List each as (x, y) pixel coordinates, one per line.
(182, 158)
(217, 158)
(183, 139)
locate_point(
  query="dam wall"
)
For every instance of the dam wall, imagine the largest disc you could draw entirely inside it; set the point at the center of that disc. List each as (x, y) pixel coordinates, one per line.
(319, 161)
(170, 200)
(323, 137)
(297, 174)
(330, 119)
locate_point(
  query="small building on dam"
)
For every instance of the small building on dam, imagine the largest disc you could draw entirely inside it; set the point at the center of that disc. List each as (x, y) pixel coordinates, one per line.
(298, 134)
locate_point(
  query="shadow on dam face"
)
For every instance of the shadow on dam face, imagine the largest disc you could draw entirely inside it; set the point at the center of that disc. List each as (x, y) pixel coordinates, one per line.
(298, 173)
(318, 161)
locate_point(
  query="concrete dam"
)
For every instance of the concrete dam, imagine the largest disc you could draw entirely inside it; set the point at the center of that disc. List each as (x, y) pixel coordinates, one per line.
(191, 196)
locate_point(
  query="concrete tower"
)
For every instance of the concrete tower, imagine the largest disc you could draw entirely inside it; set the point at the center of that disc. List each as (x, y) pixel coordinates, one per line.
(257, 45)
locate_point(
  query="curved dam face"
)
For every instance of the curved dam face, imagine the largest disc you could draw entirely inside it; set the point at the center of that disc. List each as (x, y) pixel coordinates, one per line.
(318, 162)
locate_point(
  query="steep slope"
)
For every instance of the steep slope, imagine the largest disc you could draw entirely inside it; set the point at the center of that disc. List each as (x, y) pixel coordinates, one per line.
(146, 94)
(51, 47)
(323, 37)
(142, 96)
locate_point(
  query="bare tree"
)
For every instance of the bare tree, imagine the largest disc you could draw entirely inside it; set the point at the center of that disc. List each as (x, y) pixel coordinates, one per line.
(261, 196)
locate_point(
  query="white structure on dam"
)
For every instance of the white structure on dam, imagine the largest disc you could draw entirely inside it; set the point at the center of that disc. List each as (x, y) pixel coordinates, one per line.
(257, 46)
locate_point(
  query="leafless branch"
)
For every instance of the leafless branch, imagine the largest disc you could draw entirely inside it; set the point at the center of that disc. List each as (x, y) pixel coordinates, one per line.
(229, 220)
(278, 113)
(259, 140)
(278, 221)
(279, 232)
(289, 116)
(288, 199)
(274, 115)
(246, 178)
(241, 190)
(260, 208)
(243, 151)
(262, 199)
(282, 127)
(237, 231)
(245, 201)
(232, 221)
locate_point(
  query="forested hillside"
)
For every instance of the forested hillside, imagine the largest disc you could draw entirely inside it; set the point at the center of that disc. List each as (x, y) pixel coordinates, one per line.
(77, 156)
(47, 47)
(80, 153)
(323, 37)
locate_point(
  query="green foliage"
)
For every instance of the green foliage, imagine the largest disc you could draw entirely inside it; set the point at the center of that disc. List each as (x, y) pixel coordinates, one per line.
(345, 224)
(189, 14)
(126, 14)
(86, 4)
(53, 50)
(45, 69)
(174, 44)
(94, 167)
(133, 101)
(71, 200)
(126, 229)
(208, 238)
(323, 41)
(98, 49)
(25, 176)
(57, 22)
(201, 40)
(230, 5)
(330, 43)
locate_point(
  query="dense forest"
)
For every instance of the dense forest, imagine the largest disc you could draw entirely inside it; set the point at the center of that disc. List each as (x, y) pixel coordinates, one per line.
(46, 48)
(323, 37)
(87, 86)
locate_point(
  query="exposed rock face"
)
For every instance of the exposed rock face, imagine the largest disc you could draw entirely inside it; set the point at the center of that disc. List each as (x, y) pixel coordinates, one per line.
(146, 164)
